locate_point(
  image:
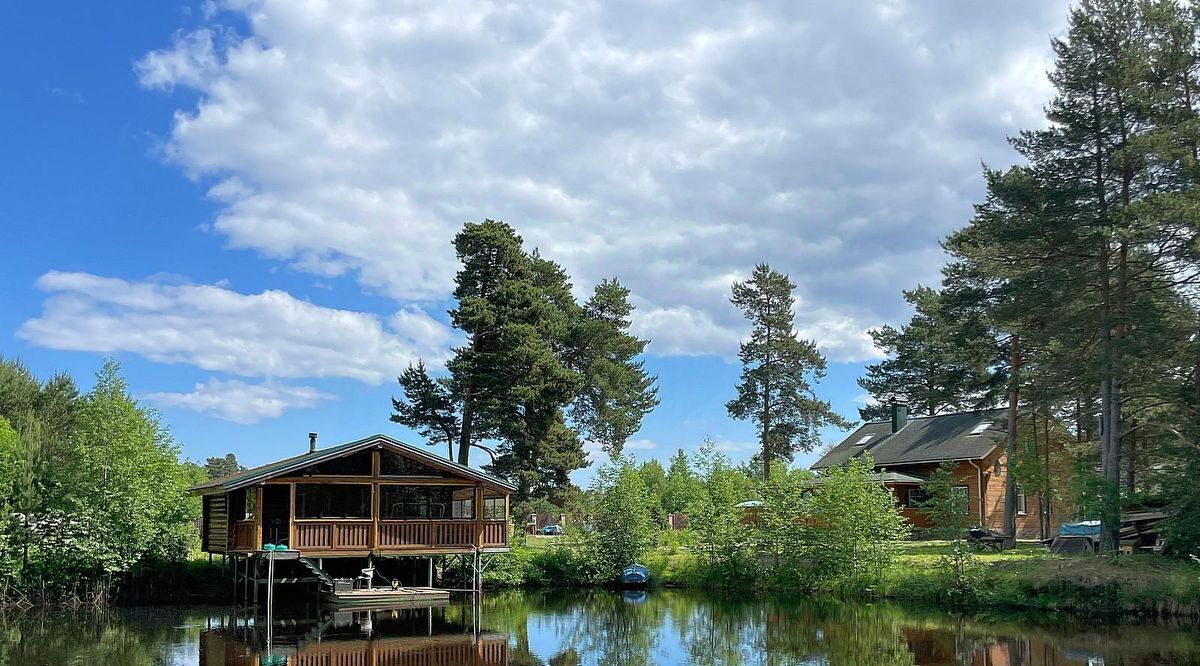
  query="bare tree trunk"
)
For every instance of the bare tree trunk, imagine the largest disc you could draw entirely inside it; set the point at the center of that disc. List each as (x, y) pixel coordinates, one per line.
(1131, 464)
(1048, 487)
(1010, 448)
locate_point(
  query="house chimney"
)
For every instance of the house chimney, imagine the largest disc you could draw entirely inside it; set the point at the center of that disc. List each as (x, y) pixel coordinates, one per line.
(312, 442)
(899, 415)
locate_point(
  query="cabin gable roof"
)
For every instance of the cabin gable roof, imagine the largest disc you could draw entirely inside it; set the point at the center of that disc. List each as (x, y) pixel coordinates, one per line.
(923, 439)
(279, 468)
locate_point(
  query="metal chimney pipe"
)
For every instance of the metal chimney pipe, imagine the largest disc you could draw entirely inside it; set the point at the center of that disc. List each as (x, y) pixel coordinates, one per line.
(312, 442)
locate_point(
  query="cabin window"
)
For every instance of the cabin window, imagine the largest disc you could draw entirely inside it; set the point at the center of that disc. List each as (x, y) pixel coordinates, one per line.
(251, 503)
(1021, 503)
(463, 508)
(356, 464)
(493, 508)
(916, 498)
(419, 502)
(333, 500)
(980, 429)
(391, 464)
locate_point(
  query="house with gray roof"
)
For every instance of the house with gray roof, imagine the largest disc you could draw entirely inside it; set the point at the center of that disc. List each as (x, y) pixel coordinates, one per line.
(906, 450)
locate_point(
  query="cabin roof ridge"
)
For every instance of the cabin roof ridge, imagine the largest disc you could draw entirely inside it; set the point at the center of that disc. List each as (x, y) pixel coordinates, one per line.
(276, 468)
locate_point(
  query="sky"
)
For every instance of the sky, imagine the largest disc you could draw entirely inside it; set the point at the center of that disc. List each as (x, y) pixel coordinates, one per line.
(249, 203)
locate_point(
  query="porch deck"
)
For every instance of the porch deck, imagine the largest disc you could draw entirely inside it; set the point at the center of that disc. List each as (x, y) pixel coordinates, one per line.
(385, 596)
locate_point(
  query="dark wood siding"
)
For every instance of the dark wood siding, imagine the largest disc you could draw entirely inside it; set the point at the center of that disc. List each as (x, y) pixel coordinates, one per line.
(215, 534)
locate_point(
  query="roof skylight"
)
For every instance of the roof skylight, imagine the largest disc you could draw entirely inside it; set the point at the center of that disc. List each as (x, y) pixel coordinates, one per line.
(980, 428)
(864, 440)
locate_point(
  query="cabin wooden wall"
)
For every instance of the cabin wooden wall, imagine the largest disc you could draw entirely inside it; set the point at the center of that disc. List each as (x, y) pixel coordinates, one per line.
(214, 534)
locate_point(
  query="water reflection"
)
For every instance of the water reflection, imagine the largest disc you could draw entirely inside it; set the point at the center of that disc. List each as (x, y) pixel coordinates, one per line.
(439, 634)
(592, 627)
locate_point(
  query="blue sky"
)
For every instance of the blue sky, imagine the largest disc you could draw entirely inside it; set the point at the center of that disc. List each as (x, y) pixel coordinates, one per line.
(250, 203)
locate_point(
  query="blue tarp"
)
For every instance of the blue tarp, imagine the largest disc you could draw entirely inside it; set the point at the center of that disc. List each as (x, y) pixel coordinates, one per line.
(1087, 528)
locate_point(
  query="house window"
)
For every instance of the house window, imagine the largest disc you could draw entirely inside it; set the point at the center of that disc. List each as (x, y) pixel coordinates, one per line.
(251, 503)
(415, 502)
(960, 499)
(493, 508)
(462, 508)
(998, 468)
(980, 429)
(916, 498)
(1021, 505)
(329, 500)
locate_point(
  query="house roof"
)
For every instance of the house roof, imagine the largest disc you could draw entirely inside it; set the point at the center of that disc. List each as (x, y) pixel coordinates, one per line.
(924, 439)
(279, 467)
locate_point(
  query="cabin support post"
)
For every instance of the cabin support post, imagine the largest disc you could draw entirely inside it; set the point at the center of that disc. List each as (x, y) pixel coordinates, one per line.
(478, 516)
(258, 522)
(430, 558)
(292, 516)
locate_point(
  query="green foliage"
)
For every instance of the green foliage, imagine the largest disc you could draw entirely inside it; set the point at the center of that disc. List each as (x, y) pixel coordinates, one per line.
(93, 486)
(654, 477)
(533, 358)
(961, 572)
(945, 506)
(779, 371)
(682, 488)
(721, 534)
(856, 524)
(624, 528)
(938, 361)
(216, 468)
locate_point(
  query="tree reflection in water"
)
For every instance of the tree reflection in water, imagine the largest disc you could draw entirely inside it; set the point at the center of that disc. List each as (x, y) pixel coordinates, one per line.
(588, 627)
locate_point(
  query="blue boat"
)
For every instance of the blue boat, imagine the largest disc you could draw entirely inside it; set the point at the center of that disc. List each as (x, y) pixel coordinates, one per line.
(635, 575)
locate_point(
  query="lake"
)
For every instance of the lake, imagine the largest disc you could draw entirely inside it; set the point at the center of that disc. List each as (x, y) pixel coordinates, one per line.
(587, 627)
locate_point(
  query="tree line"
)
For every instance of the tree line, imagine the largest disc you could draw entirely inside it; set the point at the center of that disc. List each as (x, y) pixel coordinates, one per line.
(1070, 296)
(92, 488)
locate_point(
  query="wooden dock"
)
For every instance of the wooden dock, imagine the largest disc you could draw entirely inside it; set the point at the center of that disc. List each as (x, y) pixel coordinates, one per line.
(386, 597)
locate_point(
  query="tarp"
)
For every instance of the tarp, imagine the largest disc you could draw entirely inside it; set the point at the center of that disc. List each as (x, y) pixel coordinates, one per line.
(1088, 528)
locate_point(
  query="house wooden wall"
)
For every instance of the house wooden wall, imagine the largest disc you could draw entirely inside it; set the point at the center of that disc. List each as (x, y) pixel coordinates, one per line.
(968, 474)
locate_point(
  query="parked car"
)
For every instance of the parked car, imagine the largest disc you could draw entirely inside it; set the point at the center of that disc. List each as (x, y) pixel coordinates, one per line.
(552, 530)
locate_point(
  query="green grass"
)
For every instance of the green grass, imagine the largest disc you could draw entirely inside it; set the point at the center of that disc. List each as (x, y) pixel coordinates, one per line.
(1026, 577)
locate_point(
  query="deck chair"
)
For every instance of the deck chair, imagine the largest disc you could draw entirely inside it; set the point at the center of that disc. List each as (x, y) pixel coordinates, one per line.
(1159, 546)
(368, 576)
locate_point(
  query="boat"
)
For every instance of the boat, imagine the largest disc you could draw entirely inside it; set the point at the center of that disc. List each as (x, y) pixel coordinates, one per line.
(635, 575)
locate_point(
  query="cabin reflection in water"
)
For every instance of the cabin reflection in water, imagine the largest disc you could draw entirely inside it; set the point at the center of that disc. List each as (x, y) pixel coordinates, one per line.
(939, 648)
(427, 635)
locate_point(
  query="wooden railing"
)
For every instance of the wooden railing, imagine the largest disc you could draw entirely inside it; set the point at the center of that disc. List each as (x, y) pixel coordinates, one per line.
(333, 534)
(397, 534)
(244, 535)
(495, 533)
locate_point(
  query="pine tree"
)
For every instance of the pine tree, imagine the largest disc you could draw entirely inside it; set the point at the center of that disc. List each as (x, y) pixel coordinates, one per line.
(778, 371)
(533, 357)
(938, 361)
(1093, 242)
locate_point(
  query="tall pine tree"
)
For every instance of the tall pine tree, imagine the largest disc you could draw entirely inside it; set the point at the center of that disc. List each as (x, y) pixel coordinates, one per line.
(779, 370)
(537, 371)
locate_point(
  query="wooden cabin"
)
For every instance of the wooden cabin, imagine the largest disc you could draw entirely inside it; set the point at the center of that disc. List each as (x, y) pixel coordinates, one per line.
(907, 450)
(375, 496)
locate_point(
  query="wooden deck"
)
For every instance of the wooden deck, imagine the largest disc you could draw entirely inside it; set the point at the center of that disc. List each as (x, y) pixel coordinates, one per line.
(386, 597)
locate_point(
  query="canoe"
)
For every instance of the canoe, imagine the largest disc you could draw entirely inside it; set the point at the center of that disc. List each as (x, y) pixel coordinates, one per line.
(635, 574)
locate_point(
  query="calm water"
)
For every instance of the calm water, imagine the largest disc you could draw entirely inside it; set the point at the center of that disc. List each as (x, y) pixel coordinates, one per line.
(598, 627)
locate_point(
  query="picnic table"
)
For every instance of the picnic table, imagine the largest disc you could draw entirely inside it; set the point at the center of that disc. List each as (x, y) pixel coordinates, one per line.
(989, 540)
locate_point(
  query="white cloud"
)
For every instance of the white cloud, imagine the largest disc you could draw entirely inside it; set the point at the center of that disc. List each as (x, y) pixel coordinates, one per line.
(270, 334)
(671, 145)
(640, 445)
(240, 402)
